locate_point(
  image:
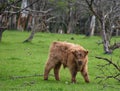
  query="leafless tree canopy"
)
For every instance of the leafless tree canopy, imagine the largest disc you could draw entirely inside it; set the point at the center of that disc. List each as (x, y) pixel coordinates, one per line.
(70, 16)
(107, 12)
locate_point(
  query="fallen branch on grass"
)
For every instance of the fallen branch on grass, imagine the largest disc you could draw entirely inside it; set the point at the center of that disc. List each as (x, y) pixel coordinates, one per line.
(36, 75)
(105, 68)
(110, 62)
(116, 76)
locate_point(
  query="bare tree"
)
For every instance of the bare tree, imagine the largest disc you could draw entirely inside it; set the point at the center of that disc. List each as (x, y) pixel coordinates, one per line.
(39, 14)
(106, 14)
(6, 13)
(3, 17)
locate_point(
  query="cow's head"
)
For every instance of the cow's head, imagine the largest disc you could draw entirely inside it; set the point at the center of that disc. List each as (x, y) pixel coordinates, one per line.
(80, 56)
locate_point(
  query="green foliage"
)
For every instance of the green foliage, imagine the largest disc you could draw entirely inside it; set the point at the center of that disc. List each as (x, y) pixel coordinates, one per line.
(62, 5)
(25, 59)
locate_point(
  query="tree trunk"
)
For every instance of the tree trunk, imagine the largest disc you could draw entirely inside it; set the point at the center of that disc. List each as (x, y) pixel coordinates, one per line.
(70, 28)
(23, 16)
(12, 22)
(70, 21)
(106, 43)
(33, 20)
(117, 32)
(1, 32)
(92, 25)
(30, 37)
(3, 24)
(32, 32)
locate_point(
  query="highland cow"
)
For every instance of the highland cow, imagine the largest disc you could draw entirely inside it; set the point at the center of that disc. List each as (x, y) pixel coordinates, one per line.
(70, 55)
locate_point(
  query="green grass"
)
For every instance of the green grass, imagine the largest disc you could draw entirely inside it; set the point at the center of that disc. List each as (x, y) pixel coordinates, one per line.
(24, 59)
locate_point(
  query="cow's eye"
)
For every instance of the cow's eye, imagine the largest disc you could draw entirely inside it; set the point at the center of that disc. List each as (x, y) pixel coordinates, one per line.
(80, 55)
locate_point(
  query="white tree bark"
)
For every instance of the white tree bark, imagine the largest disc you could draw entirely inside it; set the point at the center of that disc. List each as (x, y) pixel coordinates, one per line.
(70, 24)
(23, 6)
(106, 43)
(92, 25)
(23, 16)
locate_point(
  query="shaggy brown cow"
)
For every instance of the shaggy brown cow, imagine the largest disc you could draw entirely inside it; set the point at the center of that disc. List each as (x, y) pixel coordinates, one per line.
(73, 56)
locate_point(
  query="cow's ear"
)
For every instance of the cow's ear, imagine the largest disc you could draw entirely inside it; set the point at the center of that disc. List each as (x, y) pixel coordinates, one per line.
(86, 52)
(74, 52)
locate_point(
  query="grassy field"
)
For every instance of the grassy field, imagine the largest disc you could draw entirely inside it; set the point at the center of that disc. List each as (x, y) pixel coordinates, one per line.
(26, 59)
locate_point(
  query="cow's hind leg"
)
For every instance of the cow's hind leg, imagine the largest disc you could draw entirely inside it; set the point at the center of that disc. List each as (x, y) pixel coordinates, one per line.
(49, 65)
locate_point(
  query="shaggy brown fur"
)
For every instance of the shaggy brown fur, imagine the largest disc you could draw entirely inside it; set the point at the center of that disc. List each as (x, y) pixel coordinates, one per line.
(73, 56)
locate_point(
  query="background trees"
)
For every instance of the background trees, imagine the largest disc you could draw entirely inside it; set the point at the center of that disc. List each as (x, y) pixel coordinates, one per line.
(106, 12)
(101, 17)
(70, 16)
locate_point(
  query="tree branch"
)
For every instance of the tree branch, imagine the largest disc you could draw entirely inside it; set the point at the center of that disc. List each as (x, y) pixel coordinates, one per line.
(115, 46)
(36, 75)
(90, 6)
(109, 61)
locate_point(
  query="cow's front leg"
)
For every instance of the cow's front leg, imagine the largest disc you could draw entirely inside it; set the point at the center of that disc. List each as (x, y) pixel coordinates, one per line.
(73, 75)
(56, 71)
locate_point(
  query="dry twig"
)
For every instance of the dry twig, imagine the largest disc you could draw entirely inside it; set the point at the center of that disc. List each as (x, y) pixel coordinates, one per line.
(110, 62)
(18, 77)
(103, 68)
